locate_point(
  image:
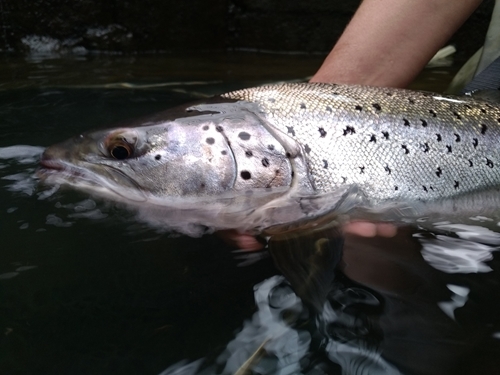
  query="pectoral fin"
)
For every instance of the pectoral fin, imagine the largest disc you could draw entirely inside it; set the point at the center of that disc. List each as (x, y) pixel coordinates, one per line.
(308, 256)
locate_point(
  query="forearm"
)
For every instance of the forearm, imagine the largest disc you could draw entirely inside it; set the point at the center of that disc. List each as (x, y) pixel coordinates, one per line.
(388, 42)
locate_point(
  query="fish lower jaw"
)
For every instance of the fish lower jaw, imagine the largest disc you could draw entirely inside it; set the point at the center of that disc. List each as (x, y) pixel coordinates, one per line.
(54, 172)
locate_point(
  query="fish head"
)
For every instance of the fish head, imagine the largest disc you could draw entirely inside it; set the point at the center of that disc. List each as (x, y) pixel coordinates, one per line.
(171, 158)
(219, 165)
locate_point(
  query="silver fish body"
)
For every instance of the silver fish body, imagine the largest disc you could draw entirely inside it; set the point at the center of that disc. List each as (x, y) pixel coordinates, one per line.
(276, 154)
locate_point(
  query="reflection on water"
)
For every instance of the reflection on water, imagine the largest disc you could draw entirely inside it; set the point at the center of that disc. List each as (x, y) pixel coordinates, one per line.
(385, 310)
(86, 289)
(462, 254)
(282, 333)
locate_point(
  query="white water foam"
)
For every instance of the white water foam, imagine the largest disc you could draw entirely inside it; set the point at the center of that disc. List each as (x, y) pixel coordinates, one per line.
(466, 254)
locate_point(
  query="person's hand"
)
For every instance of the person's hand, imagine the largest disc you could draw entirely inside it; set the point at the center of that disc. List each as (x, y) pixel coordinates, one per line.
(248, 242)
(369, 229)
(240, 240)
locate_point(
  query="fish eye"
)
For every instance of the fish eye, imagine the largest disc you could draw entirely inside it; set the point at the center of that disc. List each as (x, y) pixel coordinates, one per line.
(121, 144)
(120, 152)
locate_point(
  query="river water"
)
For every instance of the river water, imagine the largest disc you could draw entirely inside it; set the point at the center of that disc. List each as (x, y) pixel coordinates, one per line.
(86, 289)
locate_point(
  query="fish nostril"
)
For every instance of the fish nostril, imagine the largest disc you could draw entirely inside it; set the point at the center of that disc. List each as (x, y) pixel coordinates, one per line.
(78, 139)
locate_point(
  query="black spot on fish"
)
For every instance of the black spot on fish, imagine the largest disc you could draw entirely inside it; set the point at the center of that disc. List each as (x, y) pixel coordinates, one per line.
(362, 170)
(223, 152)
(245, 175)
(425, 189)
(205, 127)
(439, 139)
(325, 163)
(406, 122)
(396, 188)
(483, 129)
(219, 128)
(387, 169)
(432, 113)
(377, 106)
(202, 185)
(349, 130)
(467, 106)
(293, 173)
(302, 106)
(439, 172)
(489, 163)
(430, 187)
(307, 149)
(322, 132)
(244, 136)
(388, 93)
(475, 142)
(425, 147)
(373, 138)
(288, 155)
(265, 162)
(424, 123)
(448, 148)
(329, 109)
(483, 110)
(456, 185)
(457, 137)
(158, 157)
(290, 130)
(457, 115)
(270, 147)
(248, 153)
(386, 135)
(411, 100)
(470, 163)
(344, 179)
(404, 147)
(210, 140)
(358, 108)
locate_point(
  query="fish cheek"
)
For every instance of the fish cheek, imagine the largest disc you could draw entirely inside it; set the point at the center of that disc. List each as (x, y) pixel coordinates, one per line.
(196, 176)
(196, 160)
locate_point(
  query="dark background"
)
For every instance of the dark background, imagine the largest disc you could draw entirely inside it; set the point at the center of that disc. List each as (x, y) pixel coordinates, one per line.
(191, 25)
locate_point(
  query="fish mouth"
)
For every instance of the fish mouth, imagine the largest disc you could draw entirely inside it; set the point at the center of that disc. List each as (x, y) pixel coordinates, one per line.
(54, 171)
(51, 165)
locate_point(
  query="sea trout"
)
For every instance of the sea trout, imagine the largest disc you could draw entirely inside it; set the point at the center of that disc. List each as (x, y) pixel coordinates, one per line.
(279, 154)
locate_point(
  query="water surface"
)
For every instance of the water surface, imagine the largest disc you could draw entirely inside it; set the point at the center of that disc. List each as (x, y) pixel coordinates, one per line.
(86, 289)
